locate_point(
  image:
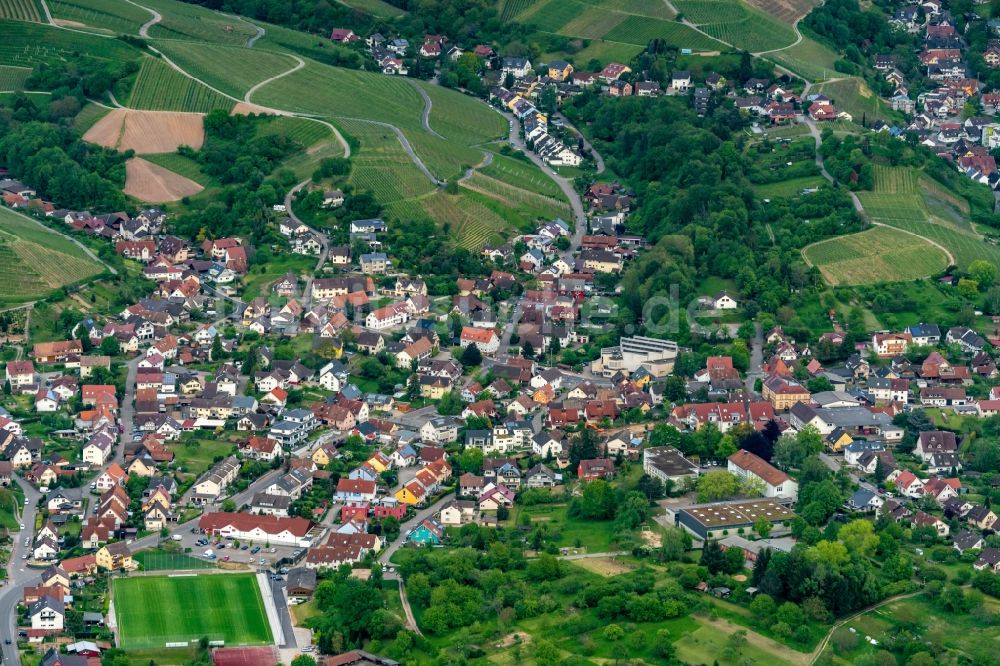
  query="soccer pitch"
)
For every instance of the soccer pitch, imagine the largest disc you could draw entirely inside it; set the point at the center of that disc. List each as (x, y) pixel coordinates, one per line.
(156, 611)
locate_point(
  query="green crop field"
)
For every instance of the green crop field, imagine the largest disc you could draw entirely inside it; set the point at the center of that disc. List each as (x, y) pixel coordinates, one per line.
(153, 611)
(381, 166)
(640, 31)
(524, 175)
(653, 8)
(515, 197)
(737, 24)
(330, 91)
(876, 255)
(303, 131)
(463, 118)
(184, 166)
(106, 15)
(13, 78)
(89, 115)
(25, 44)
(511, 9)
(895, 180)
(319, 47)
(808, 58)
(469, 223)
(231, 69)
(184, 21)
(20, 10)
(34, 260)
(159, 87)
(375, 8)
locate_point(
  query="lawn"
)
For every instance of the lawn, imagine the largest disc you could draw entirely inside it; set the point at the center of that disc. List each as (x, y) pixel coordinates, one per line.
(155, 610)
(593, 536)
(854, 96)
(875, 255)
(199, 457)
(787, 188)
(257, 283)
(161, 560)
(11, 501)
(35, 260)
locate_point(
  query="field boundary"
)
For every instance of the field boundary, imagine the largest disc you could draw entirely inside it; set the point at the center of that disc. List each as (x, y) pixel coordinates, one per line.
(86, 250)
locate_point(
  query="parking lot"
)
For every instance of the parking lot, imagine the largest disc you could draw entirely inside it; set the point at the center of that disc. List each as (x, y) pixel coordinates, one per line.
(256, 555)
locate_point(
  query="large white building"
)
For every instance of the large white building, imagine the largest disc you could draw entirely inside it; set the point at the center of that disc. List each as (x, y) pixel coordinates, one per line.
(774, 482)
(275, 530)
(656, 356)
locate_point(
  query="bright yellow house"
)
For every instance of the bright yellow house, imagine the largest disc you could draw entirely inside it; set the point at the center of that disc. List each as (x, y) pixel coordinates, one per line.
(324, 455)
(838, 439)
(411, 493)
(379, 462)
(560, 70)
(115, 556)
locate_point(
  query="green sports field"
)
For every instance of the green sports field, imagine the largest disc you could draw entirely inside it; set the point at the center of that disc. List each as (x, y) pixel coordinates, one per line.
(153, 611)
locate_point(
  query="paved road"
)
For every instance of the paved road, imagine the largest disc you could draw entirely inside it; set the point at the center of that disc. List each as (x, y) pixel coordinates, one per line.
(575, 202)
(425, 117)
(756, 369)
(323, 239)
(299, 64)
(419, 517)
(144, 28)
(598, 160)
(18, 575)
(127, 412)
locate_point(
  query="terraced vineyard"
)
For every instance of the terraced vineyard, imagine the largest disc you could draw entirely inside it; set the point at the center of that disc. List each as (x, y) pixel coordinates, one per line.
(462, 118)
(898, 202)
(326, 91)
(523, 175)
(640, 31)
(303, 131)
(376, 8)
(510, 9)
(159, 87)
(381, 166)
(25, 44)
(633, 22)
(876, 255)
(469, 223)
(517, 198)
(13, 78)
(34, 260)
(106, 15)
(20, 10)
(184, 21)
(233, 70)
(737, 24)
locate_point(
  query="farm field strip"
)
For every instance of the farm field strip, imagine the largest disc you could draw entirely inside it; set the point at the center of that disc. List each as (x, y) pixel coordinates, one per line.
(13, 78)
(516, 197)
(20, 10)
(185, 21)
(639, 30)
(469, 222)
(375, 8)
(808, 58)
(106, 15)
(26, 44)
(381, 166)
(511, 9)
(738, 24)
(522, 175)
(231, 69)
(159, 87)
(894, 179)
(463, 118)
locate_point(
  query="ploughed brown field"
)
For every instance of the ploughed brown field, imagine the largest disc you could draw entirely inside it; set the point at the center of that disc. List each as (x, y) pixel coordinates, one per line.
(152, 183)
(147, 131)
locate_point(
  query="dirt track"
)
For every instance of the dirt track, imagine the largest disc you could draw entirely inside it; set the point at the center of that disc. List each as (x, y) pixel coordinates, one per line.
(154, 184)
(147, 131)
